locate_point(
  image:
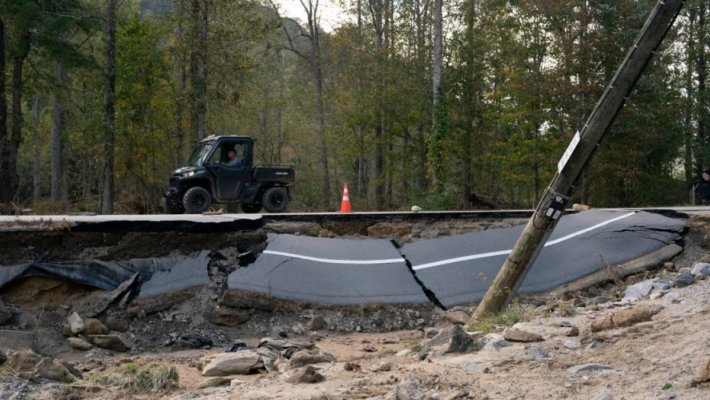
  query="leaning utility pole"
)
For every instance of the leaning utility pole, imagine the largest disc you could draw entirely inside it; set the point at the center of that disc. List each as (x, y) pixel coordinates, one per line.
(576, 158)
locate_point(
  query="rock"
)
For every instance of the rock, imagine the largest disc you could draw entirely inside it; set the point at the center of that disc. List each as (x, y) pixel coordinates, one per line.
(672, 297)
(225, 364)
(682, 280)
(573, 331)
(235, 383)
(580, 207)
(22, 361)
(5, 314)
(111, 342)
(53, 370)
(703, 375)
(381, 367)
(307, 374)
(473, 367)
(572, 344)
(639, 290)
(193, 342)
(76, 324)
(536, 352)
(588, 368)
(97, 303)
(603, 396)
(430, 332)
(66, 330)
(79, 344)
(593, 345)
(312, 356)
(603, 323)
(515, 335)
(116, 324)
(237, 346)
(450, 340)
(495, 343)
(214, 382)
(351, 366)
(457, 317)
(70, 367)
(27, 322)
(316, 323)
(223, 315)
(701, 269)
(94, 327)
(3, 357)
(408, 389)
(624, 318)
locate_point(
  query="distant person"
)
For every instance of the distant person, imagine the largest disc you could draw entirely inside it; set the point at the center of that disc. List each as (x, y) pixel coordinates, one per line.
(705, 185)
(233, 159)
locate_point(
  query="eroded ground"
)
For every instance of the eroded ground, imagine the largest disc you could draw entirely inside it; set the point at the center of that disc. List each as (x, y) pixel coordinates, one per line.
(376, 348)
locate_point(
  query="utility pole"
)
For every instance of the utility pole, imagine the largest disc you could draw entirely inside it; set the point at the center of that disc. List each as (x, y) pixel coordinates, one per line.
(575, 159)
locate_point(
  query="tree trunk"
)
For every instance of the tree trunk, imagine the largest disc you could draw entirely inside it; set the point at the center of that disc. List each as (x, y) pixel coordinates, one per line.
(10, 156)
(36, 165)
(379, 147)
(57, 171)
(107, 197)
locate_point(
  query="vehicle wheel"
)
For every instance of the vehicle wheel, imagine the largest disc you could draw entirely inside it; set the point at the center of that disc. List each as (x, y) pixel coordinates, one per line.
(251, 208)
(275, 200)
(172, 206)
(196, 200)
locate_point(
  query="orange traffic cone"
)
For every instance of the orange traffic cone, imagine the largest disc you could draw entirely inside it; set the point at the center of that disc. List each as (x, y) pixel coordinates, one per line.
(345, 206)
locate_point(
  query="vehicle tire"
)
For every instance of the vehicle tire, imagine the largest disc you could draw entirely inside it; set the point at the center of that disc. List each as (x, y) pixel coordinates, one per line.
(196, 200)
(172, 206)
(275, 200)
(252, 208)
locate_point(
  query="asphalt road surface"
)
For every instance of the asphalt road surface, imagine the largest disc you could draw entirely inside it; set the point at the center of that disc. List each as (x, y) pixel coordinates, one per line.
(451, 270)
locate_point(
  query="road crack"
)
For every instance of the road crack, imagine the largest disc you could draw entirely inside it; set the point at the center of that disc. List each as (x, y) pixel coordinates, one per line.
(427, 292)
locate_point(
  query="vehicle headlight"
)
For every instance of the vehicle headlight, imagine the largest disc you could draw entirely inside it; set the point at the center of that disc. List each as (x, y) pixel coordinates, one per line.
(188, 174)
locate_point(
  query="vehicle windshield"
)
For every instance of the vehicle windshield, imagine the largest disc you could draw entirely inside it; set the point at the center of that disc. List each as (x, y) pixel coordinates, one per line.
(198, 153)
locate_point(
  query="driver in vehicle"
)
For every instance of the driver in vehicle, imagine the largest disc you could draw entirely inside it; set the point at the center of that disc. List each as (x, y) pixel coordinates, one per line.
(233, 159)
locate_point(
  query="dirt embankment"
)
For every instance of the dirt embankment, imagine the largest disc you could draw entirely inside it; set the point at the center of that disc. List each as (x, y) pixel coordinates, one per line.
(377, 350)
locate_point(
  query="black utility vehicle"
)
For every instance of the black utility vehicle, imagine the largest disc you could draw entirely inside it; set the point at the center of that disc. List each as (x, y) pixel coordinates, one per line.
(209, 175)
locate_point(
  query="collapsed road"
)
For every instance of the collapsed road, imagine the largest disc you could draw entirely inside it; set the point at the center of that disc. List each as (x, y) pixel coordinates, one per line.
(339, 260)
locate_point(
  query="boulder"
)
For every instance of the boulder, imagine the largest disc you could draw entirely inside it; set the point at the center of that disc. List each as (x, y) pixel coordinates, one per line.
(3, 357)
(307, 374)
(76, 324)
(701, 269)
(97, 303)
(225, 364)
(79, 344)
(22, 361)
(53, 370)
(111, 342)
(116, 324)
(516, 335)
(408, 389)
(94, 327)
(457, 317)
(639, 290)
(450, 340)
(703, 375)
(5, 314)
(316, 323)
(312, 356)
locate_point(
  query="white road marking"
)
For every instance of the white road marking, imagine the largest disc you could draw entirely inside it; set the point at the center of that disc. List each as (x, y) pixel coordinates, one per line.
(443, 262)
(335, 261)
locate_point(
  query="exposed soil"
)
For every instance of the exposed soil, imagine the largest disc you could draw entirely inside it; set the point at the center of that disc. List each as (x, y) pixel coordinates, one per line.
(655, 359)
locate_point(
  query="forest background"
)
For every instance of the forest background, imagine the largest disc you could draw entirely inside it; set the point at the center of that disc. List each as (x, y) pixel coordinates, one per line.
(447, 104)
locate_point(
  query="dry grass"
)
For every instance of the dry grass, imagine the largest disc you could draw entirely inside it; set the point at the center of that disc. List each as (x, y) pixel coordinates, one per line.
(139, 378)
(510, 316)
